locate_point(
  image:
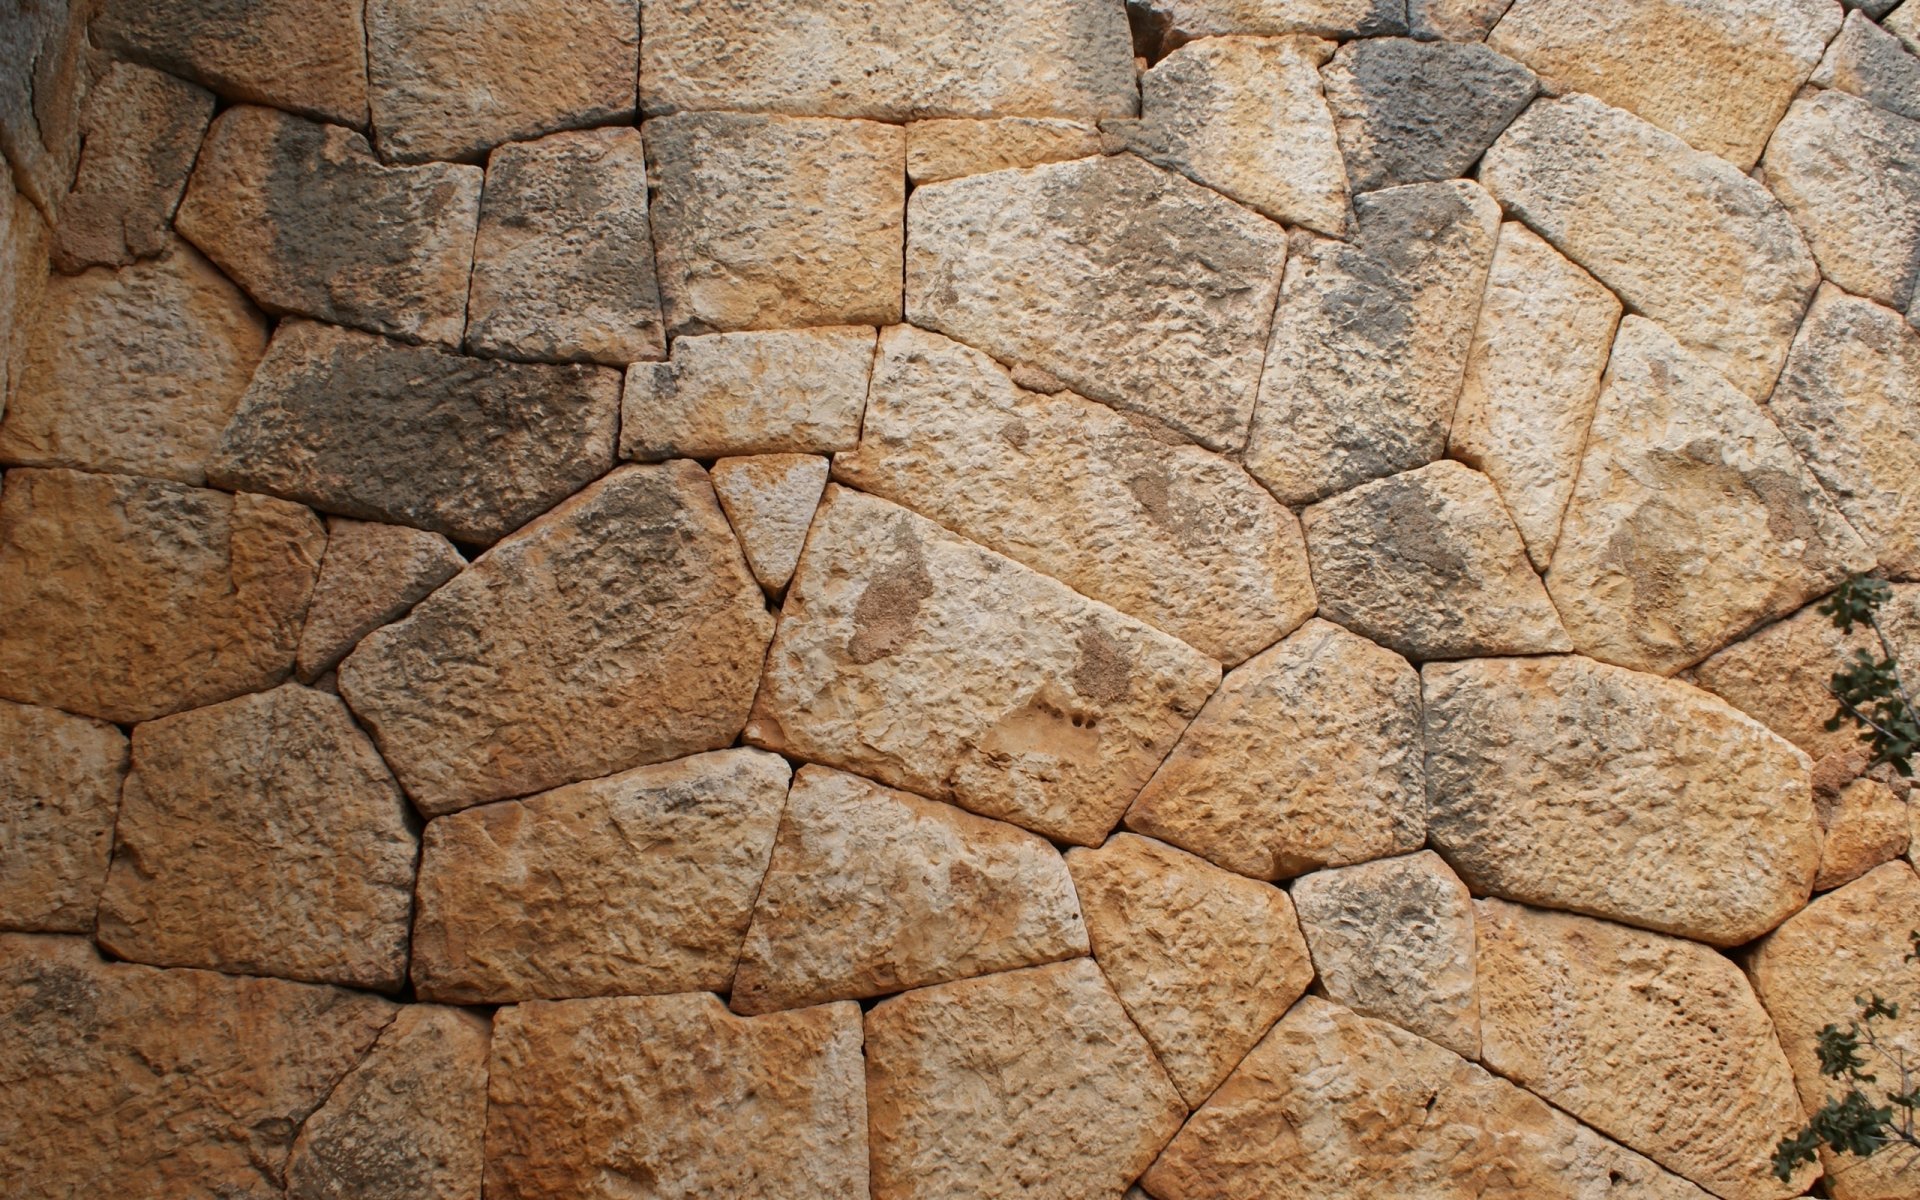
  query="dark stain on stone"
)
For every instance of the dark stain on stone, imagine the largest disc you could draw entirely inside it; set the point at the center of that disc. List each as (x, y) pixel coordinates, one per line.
(1103, 674)
(885, 614)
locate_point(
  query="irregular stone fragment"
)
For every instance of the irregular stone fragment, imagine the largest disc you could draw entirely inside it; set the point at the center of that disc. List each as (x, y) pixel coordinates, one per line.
(43, 85)
(1904, 23)
(371, 575)
(1410, 112)
(141, 130)
(1692, 520)
(621, 628)
(1032, 1080)
(1173, 535)
(1865, 825)
(931, 664)
(127, 599)
(592, 1098)
(948, 149)
(309, 222)
(1454, 20)
(770, 499)
(362, 426)
(1136, 287)
(25, 245)
(1870, 63)
(762, 222)
(1204, 960)
(1167, 24)
(1872, 8)
(59, 791)
(1779, 676)
(1567, 783)
(1682, 237)
(1370, 341)
(1306, 757)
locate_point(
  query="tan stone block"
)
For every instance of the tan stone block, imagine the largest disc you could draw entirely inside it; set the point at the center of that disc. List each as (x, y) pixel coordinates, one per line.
(1868, 62)
(1779, 676)
(950, 148)
(1166, 24)
(1865, 825)
(769, 499)
(60, 779)
(371, 575)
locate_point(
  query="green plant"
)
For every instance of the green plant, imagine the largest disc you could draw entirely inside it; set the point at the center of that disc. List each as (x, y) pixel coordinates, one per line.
(1872, 693)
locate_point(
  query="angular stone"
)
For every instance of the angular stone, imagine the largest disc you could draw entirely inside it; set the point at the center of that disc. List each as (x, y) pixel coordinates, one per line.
(1428, 564)
(676, 1096)
(621, 628)
(1031, 1079)
(770, 499)
(1568, 783)
(366, 427)
(1692, 520)
(309, 222)
(930, 664)
(1205, 961)
(948, 149)
(638, 883)
(1865, 825)
(1413, 112)
(1454, 20)
(1134, 286)
(127, 599)
(1539, 353)
(59, 791)
(25, 245)
(1393, 939)
(1167, 24)
(1681, 236)
(762, 222)
(141, 130)
(1872, 8)
(43, 84)
(1779, 676)
(1171, 534)
(1370, 341)
(1904, 23)
(1306, 757)
(371, 575)
(1868, 62)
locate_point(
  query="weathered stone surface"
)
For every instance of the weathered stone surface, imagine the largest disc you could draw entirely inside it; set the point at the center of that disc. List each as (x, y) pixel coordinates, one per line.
(1571, 784)
(1171, 534)
(1428, 564)
(1340, 1107)
(1870, 63)
(1681, 236)
(43, 84)
(59, 790)
(1306, 757)
(25, 245)
(1030, 1083)
(140, 131)
(674, 1094)
(1454, 20)
(931, 664)
(1693, 520)
(1411, 112)
(1779, 677)
(1904, 23)
(762, 222)
(309, 222)
(362, 426)
(1134, 286)
(1394, 939)
(948, 149)
(769, 499)
(1370, 341)
(792, 391)
(1167, 24)
(622, 628)
(1539, 353)
(127, 599)
(1864, 825)
(1205, 961)
(371, 575)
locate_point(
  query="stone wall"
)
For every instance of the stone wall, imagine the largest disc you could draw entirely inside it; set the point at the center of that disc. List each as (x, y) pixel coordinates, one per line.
(810, 598)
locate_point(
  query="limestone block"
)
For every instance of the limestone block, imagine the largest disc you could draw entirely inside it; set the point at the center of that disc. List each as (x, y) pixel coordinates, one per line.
(769, 499)
(371, 575)
(25, 246)
(1779, 676)
(1868, 62)
(1454, 20)
(59, 793)
(1864, 825)
(1167, 24)
(1411, 111)
(43, 84)
(141, 130)
(951, 147)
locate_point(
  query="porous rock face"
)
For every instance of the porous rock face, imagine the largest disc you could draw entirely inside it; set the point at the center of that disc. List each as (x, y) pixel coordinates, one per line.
(770, 499)
(947, 149)
(60, 790)
(1868, 62)
(371, 575)
(141, 130)
(1412, 111)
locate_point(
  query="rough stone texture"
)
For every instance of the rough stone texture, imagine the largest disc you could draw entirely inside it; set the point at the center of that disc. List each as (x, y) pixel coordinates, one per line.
(1870, 63)
(1134, 286)
(43, 84)
(1167, 24)
(1865, 825)
(1539, 352)
(1173, 535)
(1428, 564)
(1411, 112)
(622, 628)
(1904, 23)
(140, 132)
(1779, 677)
(1693, 520)
(762, 222)
(948, 149)
(362, 426)
(59, 791)
(638, 883)
(1394, 939)
(371, 575)
(135, 370)
(1205, 961)
(1370, 341)
(1341, 1107)
(127, 599)
(873, 891)
(25, 246)
(309, 222)
(563, 268)
(770, 499)
(1454, 20)
(677, 1096)
(1028, 1083)
(1307, 756)
(931, 664)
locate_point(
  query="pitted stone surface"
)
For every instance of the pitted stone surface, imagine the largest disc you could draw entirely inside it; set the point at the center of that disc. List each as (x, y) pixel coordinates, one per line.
(1169, 23)
(949, 148)
(1868, 62)
(141, 130)
(770, 499)
(59, 793)
(371, 575)
(1863, 825)
(1779, 676)
(1414, 111)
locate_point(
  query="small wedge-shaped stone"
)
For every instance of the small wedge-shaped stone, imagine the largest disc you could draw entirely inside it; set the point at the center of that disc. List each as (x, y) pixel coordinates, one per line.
(1693, 520)
(789, 391)
(127, 599)
(931, 664)
(367, 427)
(309, 222)
(1340, 1107)
(585, 1098)
(770, 499)
(948, 149)
(1370, 341)
(1568, 783)
(1135, 286)
(59, 791)
(1681, 236)
(1306, 757)
(873, 891)
(1204, 960)
(1167, 24)
(622, 628)
(141, 130)
(1653, 1040)
(1173, 535)
(1868, 62)
(1411, 112)
(1864, 825)
(1029, 1082)
(371, 575)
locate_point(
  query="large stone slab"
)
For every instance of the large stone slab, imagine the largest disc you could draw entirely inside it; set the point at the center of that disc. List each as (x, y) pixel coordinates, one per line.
(59, 792)
(1166, 24)
(371, 575)
(1416, 111)
(1868, 62)
(949, 148)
